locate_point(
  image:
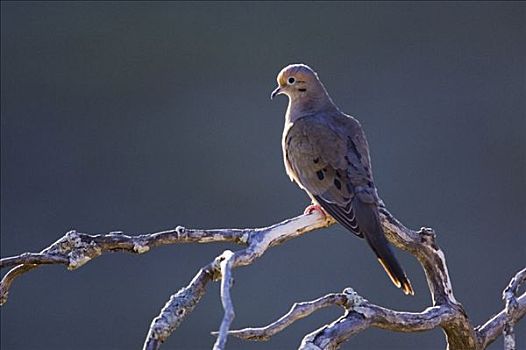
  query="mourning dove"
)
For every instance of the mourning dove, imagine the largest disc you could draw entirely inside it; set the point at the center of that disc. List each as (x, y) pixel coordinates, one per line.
(326, 153)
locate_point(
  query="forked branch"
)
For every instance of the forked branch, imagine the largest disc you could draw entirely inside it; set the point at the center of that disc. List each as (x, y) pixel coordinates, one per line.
(76, 249)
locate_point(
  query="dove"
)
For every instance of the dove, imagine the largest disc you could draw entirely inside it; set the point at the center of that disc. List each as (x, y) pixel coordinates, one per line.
(326, 153)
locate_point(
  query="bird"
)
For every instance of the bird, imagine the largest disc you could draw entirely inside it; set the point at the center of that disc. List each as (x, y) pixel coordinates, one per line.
(326, 153)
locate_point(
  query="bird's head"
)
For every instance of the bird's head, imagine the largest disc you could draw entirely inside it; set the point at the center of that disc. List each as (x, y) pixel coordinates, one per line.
(296, 81)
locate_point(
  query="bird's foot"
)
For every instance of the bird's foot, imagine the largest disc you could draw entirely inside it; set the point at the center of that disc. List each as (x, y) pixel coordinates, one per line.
(314, 207)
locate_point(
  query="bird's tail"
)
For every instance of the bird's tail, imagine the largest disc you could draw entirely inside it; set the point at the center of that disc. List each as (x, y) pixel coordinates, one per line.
(368, 220)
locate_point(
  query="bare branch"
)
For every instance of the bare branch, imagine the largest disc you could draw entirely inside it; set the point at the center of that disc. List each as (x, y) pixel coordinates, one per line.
(503, 322)
(9, 277)
(32, 259)
(509, 296)
(178, 307)
(422, 245)
(226, 300)
(297, 312)
(362, 314)
(259, 240)
(446, 312)
(75, 249)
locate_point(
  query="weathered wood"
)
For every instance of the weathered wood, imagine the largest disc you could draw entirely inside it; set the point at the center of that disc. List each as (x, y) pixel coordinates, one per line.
(76, 249)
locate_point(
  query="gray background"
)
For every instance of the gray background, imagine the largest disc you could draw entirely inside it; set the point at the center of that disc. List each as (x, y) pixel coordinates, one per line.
(140, 117)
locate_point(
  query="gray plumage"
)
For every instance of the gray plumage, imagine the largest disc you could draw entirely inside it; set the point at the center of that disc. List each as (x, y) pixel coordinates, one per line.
(326, 153)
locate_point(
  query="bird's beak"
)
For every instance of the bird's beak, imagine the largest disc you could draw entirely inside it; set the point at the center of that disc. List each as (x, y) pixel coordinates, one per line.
(276, 92)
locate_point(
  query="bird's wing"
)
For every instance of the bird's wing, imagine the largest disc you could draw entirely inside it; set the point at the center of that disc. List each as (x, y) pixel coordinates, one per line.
(331, 166)
(328, 157)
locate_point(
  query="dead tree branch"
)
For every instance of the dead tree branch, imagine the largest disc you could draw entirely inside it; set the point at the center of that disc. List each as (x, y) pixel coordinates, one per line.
(297, 312)
(178, 307)
(362, 314)
(502, 323)
(510, 298)
(366, 315)
(226, 300)
(76, 249)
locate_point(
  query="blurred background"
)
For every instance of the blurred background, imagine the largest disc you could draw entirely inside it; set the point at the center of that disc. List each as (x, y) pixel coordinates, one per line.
(143, 116)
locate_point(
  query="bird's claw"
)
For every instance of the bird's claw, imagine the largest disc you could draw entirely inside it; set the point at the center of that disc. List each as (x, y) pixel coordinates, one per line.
(313, 208)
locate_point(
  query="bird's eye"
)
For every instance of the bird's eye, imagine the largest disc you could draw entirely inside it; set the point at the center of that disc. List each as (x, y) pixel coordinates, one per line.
(291, 80)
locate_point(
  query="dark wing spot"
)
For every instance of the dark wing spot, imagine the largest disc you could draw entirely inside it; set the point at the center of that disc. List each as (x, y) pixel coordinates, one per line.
(354, 149)
(370, 184)
(316, 160)
(320, 175)
(354, 166)
(351, 163)
(338, 184)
